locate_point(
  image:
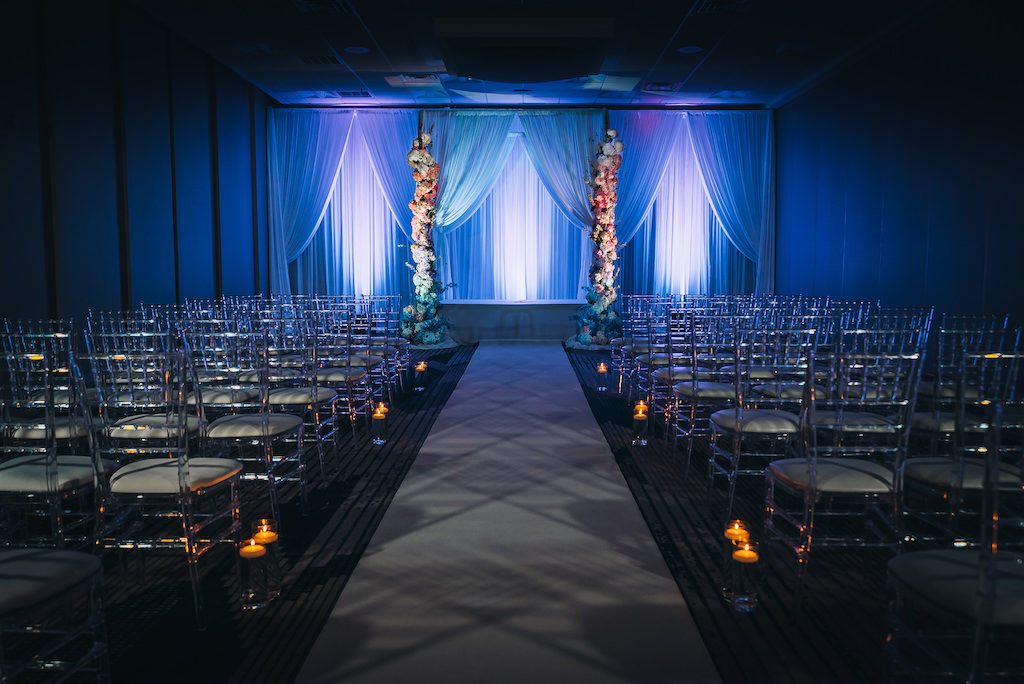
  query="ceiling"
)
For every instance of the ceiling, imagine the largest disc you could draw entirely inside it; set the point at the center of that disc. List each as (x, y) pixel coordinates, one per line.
(708, 53)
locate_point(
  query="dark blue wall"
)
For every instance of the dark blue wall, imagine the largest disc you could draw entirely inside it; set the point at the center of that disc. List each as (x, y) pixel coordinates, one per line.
(900, 178)
(109, 124)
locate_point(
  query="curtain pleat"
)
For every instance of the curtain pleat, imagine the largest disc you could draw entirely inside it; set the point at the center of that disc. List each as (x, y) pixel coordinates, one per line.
(304, 148)
(735, 154)
(470, 147)
(561, 145)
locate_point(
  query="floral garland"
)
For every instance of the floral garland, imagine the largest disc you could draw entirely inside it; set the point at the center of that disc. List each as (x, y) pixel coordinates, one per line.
(420, 322)
(597, 322)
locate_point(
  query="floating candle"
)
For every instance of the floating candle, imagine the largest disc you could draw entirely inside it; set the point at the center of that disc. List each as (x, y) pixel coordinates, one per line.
(745, 553)
(252, 550)
(265, 535)
(737, 530)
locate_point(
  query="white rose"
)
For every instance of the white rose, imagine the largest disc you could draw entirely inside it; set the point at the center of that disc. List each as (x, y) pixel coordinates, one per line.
(618, 146)
(612, 133)
(604, 161)
(424, 139)
(608, 149)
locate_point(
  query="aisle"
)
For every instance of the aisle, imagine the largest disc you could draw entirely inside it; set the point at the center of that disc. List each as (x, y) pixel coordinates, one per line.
(513, 551)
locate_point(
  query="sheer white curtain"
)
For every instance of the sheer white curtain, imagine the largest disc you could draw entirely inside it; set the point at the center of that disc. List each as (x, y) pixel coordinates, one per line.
(518, 245)
(358, 247)
(652, 139)
(561, 145)
(735, 153)
(470, 147)
(304, 148)
(388, 134)
(670, 251)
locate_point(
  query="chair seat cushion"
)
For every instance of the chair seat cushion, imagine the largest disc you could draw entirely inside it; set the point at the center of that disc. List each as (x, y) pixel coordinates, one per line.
(225, 395)
(292, 360)
(757, 420)
(274, 374)
(944, 472)
(948, 579)
(31, 576)
(852, 421)
(150, 426)
(252, 425)
(28, 473)
(63, 428)
(754, 372)
(782, 390)
(641, 348)
(340, 375)
(929, 388)
(672, 374)
(358, 361)
(928, 421)
(660, 359)
(707, 390)
(835, 475)
(160, 475)
(301, 395)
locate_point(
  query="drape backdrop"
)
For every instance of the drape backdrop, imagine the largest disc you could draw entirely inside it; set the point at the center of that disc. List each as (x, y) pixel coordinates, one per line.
(695, 211)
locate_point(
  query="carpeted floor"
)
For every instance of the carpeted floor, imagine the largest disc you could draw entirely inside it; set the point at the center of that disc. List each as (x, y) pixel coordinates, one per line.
(838, 634)
(149, 610)
(513, 551)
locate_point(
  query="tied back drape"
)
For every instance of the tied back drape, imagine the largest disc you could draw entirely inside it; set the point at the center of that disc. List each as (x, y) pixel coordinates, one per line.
(561, 144)
(735, 154)
(470, 147)
(652, 138)
(388, 134)
(304, 149)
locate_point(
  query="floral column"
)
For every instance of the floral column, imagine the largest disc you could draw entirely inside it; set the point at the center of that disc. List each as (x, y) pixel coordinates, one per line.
(598, 323)
(421, 322)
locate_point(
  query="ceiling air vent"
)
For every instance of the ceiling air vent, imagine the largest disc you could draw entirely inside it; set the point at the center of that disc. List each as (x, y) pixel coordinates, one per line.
(660, 87)
(318, 60)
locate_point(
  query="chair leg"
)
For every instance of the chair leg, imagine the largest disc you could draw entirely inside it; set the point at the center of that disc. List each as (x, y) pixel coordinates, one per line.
(268, 458)
(192, 560)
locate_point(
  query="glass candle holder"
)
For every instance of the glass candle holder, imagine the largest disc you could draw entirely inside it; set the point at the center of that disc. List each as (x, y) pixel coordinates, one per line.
(743, 576)
(260, 574)
(379, 425)
(419, 376)
(264, 531)
(602, 377)
(737, 530)
(641, 424)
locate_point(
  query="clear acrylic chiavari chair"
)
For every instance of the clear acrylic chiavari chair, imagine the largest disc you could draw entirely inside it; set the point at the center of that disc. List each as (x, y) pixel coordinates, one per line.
(165, 492)
(843, 485)
(955, 614)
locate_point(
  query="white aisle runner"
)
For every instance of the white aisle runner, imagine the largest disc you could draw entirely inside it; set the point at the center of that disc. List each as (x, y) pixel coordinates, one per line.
(513, 551)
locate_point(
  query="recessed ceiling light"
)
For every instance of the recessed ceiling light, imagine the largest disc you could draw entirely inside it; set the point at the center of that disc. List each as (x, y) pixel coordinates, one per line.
(356, 50)
(689, 49)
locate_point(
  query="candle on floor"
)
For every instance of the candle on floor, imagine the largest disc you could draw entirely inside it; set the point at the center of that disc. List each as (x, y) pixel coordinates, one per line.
(379, 425)
(746, 552)
(743, 577)
(252, 550)
(602, 377)
(737, 530)
(419, 376)
(640, 423)
(265, 531)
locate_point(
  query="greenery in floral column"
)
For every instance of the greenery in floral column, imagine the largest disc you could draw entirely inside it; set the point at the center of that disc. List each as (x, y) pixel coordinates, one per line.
(421, 322)
(597, 322)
